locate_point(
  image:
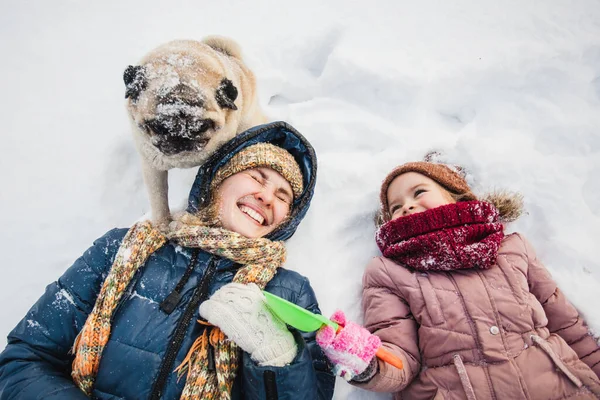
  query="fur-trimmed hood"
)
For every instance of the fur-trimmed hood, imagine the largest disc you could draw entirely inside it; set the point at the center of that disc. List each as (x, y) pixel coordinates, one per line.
(509, 204)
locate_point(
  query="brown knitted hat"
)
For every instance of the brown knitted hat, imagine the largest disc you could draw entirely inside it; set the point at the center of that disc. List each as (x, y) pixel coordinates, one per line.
(263, 155)
(442, 174)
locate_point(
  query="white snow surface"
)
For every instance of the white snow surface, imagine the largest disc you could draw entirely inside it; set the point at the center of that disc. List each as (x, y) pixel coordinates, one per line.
(510, 90)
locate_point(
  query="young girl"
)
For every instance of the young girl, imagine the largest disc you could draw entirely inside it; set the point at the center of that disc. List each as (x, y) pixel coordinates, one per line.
(472, 312)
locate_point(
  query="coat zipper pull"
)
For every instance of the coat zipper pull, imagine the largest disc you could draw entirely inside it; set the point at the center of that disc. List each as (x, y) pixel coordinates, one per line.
(171, 301)
(169, 304)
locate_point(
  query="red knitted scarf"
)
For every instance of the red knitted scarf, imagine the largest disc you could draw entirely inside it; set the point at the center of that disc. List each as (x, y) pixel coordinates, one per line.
(462, 235)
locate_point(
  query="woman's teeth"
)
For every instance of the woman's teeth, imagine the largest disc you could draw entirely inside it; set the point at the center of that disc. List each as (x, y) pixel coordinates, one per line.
(252, 214)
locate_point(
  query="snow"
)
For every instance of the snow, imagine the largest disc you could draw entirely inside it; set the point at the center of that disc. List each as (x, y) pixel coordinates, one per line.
(139, 296)
(509, 90)
(63, 299)
(33, 324)
(125, 254)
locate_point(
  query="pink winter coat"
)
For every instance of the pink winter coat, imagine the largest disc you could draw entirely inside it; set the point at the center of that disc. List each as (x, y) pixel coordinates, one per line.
(506, 332)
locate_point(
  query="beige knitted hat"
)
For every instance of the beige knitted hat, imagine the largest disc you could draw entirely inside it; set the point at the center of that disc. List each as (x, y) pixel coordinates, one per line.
(263, 155)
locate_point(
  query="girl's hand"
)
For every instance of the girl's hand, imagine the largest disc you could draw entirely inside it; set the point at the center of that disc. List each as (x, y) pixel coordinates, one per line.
(241, 313)
(351, 349)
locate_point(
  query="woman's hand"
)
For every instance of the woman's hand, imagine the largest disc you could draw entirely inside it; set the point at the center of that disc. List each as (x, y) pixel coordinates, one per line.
(351, 349)
(241, 313)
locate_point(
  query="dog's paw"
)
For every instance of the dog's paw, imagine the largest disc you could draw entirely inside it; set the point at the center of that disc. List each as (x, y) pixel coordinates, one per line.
(179, 216)
(162, 225)
(175, 226)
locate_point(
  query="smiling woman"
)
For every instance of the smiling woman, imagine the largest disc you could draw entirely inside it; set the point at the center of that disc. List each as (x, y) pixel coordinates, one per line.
(143, 291)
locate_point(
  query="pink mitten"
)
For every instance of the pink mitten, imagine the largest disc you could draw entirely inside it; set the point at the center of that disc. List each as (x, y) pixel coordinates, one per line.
(351, 349)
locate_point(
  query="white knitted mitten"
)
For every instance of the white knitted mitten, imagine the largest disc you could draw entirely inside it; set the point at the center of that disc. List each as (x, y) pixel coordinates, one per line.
(242, 314)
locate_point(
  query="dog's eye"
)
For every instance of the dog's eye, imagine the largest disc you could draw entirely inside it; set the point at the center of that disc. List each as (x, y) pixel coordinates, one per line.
(226, 94)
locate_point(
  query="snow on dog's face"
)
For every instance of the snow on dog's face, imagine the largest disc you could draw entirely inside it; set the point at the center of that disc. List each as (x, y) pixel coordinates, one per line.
(180, 99)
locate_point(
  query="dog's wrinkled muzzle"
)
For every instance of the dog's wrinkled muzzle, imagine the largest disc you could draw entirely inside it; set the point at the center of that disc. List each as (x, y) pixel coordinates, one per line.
(175, 134)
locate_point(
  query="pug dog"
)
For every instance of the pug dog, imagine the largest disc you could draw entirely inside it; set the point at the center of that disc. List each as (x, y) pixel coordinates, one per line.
(185, 99)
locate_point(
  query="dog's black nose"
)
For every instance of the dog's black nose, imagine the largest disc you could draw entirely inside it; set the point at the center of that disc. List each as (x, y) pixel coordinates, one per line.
(182, 95)
(181, 126)
(175, 135)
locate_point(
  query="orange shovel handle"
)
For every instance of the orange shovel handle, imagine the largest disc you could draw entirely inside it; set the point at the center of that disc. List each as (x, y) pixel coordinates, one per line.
(389, 358)
(383, 354)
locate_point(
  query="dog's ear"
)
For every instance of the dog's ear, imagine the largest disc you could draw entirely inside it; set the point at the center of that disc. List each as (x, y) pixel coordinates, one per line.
(226, 94)
(135, 81)
(224, 45)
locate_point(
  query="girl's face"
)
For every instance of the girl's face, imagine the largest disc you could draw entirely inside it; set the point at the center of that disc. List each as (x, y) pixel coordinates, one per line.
(412, 193)
(254, 202)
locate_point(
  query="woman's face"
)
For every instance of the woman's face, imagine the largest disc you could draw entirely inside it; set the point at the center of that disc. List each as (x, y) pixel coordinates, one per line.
(412, 193)
(254, 202)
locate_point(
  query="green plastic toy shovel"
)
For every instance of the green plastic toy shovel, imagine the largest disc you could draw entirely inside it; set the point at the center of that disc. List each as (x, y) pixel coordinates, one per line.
(306, 321)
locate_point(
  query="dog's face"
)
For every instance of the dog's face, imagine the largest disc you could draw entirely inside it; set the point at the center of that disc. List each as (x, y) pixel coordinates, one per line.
(181, 97)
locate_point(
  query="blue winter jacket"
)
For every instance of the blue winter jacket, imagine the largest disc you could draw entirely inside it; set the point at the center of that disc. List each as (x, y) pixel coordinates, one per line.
(149, 341)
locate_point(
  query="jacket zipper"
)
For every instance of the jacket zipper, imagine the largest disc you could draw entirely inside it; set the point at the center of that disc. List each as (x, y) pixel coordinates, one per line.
(184, 322)
(170, 302)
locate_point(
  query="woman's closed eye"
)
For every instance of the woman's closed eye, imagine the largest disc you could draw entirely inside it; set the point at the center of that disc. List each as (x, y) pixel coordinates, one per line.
(395, 208)
(419, 192)
(257, 177)
(281, 195)
(284, 198)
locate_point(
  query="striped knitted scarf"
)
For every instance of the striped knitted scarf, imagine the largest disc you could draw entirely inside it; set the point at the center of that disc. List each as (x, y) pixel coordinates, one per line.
(260, 259)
